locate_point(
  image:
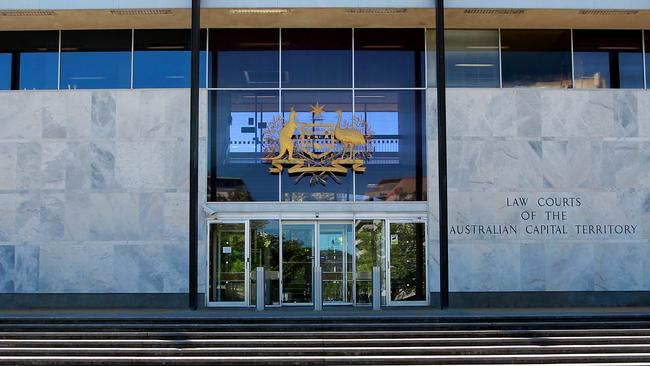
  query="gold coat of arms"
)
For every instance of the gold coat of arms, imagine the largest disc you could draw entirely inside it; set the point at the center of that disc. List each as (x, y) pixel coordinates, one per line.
(317, 148)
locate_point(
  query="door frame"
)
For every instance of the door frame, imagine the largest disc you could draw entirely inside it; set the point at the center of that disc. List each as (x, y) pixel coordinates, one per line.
(389, 301)
(246, 264)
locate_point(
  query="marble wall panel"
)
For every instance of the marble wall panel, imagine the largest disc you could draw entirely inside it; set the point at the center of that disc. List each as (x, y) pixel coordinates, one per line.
(7, 216)
(591, 144)
(87, 175)
(9, 162)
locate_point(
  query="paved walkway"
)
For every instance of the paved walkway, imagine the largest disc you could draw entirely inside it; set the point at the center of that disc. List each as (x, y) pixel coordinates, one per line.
(328, 312)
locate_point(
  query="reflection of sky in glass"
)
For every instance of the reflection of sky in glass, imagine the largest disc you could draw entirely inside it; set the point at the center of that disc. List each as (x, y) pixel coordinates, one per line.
(38, 70)
(5, 71)
(165, 69)
(95, 70)
(631, 69)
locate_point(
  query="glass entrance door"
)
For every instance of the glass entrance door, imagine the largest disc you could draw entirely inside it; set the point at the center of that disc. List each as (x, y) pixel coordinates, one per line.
(228, 270)
(407, 263)
(336, 249)
(298, 245)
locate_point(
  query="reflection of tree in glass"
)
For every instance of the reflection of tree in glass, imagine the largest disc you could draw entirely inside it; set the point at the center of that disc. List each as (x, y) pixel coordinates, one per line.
(296, 269)
(369, 242)
(406, 276)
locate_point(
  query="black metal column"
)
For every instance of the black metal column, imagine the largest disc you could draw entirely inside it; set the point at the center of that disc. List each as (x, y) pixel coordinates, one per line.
(442, 153)
(194, 156)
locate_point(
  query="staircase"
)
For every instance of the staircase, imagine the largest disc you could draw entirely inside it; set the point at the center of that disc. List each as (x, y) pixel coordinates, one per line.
(340, 340)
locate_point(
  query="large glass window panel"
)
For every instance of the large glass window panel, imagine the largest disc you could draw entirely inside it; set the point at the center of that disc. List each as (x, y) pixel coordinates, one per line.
(608, 58)
(162, 57)
(536, 58)
(227, 263)
(317, 58)
(96, 59)
(389, 58)
(265, 252)
(472, 58)
(297, 187)
(244, 58)
(407, 262)
(29, 60)
(396, 171)
(369, 243)
(236, 168)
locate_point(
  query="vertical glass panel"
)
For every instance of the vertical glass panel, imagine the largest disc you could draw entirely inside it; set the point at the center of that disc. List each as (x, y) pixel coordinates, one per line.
(647, 58)
(297, 262)
(96, 59)
(388, 58)
(317, 58)
(369, 242)
(407, 262)
(336, 186)
(244, 58)
(608, 58)
(336, 262)
(29, 60)
(236, 169)
(227, 263)
(472, 58)
(265, 252)
(536, 58)
(162, 58)
(396, 170)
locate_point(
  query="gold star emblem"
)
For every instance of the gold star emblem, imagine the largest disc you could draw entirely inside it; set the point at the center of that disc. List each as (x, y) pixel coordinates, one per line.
(317, 109)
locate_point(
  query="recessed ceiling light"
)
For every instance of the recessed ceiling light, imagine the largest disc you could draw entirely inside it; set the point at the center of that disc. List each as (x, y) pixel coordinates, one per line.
(377, 11)
(26, 13)
(494, 11)
(141, 12)
(608, 12)
(259, 11)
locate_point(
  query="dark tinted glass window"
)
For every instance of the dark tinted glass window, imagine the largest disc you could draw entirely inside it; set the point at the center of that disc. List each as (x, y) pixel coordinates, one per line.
(337, 187)
(96, 59)
(317, 58)
(244, 58)
(29, 60)
(161, 58)
(608, 58)
(472, 58)
(536, 58)
(236, 169)
(396, 170)
(389, 58)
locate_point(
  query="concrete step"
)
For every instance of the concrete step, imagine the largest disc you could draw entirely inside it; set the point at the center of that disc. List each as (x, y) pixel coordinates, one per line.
(328, 342)
(323, 334)
(172, 351)
(349, 326)
(572, 359)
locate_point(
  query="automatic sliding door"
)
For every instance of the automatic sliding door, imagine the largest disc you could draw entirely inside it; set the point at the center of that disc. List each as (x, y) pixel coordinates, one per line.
(298, 245)
(336, 261)
(407, 263)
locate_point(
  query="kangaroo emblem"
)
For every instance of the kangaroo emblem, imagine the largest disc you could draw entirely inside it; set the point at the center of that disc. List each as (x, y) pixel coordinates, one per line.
(286, 136)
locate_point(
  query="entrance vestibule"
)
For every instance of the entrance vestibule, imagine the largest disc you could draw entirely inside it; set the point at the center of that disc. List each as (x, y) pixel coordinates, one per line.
(293, 253)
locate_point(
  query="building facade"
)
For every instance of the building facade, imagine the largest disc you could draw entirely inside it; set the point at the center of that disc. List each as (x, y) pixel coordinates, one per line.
(318, 153)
